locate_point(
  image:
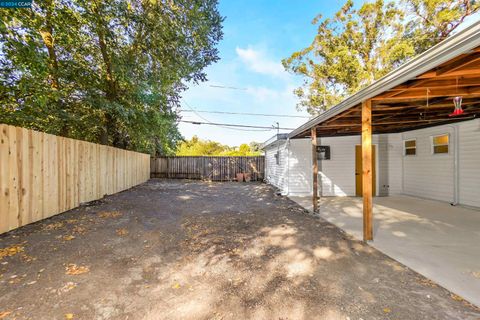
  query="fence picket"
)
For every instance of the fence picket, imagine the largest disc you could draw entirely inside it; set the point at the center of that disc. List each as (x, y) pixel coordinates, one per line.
(211, 168)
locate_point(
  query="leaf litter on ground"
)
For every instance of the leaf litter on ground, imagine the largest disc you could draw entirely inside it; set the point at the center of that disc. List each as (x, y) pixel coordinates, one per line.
(11, 251)
(73, 269)
(122, 232)
(109, 214)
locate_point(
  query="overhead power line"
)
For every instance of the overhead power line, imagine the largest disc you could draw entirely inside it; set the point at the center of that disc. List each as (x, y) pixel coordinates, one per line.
(248, 114)
(227, 87)
(235, 125)
(226, 127)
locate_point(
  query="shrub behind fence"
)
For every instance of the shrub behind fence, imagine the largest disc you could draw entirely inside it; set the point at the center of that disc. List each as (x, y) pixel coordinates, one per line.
(207, 168)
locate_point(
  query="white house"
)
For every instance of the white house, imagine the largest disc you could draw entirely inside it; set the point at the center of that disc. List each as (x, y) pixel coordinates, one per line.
(403, 163)
(414, 143)
(400, 160)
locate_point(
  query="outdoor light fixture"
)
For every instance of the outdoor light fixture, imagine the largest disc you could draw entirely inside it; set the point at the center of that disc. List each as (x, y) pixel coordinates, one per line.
(457, 102)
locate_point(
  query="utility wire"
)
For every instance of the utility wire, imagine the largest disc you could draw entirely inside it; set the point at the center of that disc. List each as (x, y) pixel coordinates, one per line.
(248, 114)
(226, 127)
(235, 125)
(227, 87)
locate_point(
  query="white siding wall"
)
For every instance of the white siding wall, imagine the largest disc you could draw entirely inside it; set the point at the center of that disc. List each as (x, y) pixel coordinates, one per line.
(423, 175)
(389, 170)
(469, 163)
(338, 174)
(300, 167)
(276, 174)
(432, 176)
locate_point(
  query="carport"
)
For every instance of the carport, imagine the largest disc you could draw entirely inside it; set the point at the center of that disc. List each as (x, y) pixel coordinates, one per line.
(421, 118)
(421, 93)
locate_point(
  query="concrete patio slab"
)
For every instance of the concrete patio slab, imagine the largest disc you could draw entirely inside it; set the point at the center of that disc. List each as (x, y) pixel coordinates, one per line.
(433, 238)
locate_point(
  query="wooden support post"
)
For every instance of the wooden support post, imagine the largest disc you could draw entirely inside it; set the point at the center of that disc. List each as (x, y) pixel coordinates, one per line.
(367, 169)
(314, 169)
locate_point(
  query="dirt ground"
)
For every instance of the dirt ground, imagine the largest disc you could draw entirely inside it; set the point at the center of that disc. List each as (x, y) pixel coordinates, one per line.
(198, 250)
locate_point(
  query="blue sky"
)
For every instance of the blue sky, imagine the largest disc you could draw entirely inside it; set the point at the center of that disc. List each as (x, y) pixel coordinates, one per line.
(258, 34)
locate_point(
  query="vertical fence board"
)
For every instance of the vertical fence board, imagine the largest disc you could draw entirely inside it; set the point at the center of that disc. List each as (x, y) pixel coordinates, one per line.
(207, 168)
(4, 177)
(42, 175)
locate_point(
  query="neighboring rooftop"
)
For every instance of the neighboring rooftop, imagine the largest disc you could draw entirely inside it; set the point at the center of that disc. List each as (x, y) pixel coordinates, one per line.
(277, 137)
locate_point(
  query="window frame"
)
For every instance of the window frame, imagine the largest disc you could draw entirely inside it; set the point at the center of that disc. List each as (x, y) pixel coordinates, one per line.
(433, 145)
(405, 147)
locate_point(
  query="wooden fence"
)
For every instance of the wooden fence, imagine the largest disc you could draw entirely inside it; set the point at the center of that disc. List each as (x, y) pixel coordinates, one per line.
(42, 175)
(207, 168)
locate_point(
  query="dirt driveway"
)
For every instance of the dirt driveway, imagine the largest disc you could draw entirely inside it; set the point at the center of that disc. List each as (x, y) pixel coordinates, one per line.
(195, 250)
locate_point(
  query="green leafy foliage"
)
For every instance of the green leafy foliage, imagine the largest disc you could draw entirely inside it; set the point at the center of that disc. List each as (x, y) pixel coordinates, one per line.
(105, 71)
(358, 46)
(431, 21)
(199, 147)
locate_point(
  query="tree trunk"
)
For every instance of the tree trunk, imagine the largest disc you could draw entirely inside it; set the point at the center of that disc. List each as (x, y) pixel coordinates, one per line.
(109, 129)
(46, 33)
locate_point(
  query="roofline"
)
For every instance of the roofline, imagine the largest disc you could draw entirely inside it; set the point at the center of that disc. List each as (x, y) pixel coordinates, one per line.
(460, 43)
(275, 138)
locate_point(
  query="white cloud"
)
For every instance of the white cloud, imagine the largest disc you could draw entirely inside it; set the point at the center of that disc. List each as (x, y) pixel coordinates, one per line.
(257, 61)
(283, 97)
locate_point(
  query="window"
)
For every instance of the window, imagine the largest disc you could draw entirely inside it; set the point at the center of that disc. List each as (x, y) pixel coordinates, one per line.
(410, 147)
(440, 144)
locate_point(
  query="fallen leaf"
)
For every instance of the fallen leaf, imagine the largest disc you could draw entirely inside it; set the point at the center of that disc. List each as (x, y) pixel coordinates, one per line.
(456, 297)
(27, 258)
(79, 229)
(69, 316)
(176, 286)
(110, 214)
(10, 251)
(427, 283)
(122, 232)
(67, 287)
(387, 310)
(3, 314)
(68, 238)
(73, 269)
(53, 226)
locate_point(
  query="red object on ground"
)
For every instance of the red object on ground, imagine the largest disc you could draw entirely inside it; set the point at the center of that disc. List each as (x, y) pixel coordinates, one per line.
(240, 177)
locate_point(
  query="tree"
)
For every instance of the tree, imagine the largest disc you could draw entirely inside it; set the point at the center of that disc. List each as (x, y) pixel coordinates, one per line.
(431, 21)
(243, 150)
(105, 71)
(199, 147)
(358, 46)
